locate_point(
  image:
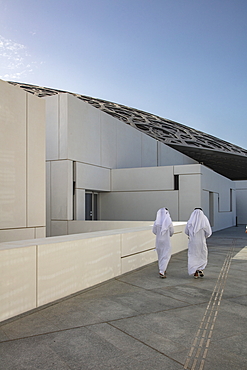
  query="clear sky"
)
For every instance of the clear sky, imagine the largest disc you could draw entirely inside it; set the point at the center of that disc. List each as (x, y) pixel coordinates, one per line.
(185, 60)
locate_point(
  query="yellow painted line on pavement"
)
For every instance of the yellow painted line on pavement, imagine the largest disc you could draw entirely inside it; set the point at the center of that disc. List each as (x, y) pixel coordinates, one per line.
(198, 352)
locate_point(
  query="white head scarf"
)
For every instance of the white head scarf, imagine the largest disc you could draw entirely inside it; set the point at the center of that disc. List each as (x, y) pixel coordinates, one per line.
(163, 219)
(198, 221)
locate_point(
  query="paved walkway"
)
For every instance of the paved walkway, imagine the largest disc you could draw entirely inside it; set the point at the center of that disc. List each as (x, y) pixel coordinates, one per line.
(139, 321)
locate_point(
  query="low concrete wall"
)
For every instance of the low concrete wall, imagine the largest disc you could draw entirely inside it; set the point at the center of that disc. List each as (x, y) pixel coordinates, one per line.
(80, 226)
(39, 271)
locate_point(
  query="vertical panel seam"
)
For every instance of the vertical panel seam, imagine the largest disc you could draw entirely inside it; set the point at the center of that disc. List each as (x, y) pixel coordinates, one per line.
(50, 201)
(121, 253)
(26, 99)
(157, 154)
(36, 269)
(58, 118)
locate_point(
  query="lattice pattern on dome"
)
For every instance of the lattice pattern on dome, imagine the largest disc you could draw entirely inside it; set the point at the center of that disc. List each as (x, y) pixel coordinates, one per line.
(169, 132)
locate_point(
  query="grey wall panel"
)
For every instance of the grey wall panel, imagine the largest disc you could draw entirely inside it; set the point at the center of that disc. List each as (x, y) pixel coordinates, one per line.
(108, 140)
(128, 147)
(168, 156)
(13, 148)
(52, 127)
(83, 132)
(61, 190)
(148, 151)
(36, 201)
(137, 206)
(92, 177)
(141, 179)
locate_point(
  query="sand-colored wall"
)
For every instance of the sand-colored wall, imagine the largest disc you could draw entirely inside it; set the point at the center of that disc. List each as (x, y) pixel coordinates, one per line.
(22, 164)
(37, 272)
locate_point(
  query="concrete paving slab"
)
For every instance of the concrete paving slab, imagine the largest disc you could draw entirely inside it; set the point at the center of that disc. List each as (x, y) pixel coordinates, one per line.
(150, 301)
(171, 328)
(69, 316)
(240, 300)
(3, 336)
(30, 325)
(186, 293)
(227, 324)
(220, 357)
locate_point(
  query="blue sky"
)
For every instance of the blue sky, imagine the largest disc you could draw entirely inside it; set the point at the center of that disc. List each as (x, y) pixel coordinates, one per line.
(184, 60)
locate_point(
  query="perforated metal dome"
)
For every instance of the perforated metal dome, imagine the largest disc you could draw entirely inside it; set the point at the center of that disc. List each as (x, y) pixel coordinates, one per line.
(223, 157)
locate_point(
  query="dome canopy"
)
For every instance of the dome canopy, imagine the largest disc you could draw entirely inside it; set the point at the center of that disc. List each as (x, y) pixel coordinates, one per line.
(224, 158)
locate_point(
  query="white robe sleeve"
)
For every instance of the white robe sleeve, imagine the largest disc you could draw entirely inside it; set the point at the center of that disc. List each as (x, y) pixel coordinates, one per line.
(171, 229)
(154, 230)
(207, 230)
(186, 230)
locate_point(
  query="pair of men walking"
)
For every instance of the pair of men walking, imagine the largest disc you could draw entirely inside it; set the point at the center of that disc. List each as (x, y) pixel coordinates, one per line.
(197, 229)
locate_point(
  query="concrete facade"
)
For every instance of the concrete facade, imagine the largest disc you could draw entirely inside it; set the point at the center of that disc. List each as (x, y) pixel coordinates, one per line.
(138, 193)
(131, 174)
(22, 164)
(95, 160)
(241, 191)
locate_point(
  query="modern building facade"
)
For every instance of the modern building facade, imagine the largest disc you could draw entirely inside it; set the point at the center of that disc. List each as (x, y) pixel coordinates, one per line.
(105, 161)
(22, 164)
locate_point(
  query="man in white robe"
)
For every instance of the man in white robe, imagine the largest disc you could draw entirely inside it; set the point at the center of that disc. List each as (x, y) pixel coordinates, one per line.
(163, 229)
(198, 229)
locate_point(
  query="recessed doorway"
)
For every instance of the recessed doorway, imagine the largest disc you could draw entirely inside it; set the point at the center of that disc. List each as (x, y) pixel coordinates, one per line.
(91, 205)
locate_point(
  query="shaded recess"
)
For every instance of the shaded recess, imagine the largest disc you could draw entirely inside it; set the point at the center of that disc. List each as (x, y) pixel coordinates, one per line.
(225, 158)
